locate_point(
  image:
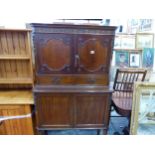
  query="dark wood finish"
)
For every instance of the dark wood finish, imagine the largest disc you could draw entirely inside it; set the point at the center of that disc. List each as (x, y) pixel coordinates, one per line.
(91, 110)
(92, 54)
(73, 79)
(72, 75)
(71, 89)
(72, 107)
(54, 110)
(54, 54)
(72, 49)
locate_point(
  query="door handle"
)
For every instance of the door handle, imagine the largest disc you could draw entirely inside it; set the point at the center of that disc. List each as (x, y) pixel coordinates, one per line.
(77, 58)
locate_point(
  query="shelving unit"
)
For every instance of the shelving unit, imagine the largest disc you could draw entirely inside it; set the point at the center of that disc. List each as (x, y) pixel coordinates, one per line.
(16, 81)
(15, 57)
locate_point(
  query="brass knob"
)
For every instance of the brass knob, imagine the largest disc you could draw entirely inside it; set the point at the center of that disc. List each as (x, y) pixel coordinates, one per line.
(92, 52)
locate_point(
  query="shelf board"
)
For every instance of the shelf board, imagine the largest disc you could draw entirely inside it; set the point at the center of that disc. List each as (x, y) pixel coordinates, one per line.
(14, 57)
(16, 80)
(16, 97)
(16, 30)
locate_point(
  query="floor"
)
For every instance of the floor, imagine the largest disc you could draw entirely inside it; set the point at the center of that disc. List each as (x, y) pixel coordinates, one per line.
(115, 128)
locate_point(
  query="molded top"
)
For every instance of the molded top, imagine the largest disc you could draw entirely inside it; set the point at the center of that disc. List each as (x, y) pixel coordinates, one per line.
(68, 25)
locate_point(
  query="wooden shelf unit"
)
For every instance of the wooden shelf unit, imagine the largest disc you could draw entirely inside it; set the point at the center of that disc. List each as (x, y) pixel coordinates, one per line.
(15, 57)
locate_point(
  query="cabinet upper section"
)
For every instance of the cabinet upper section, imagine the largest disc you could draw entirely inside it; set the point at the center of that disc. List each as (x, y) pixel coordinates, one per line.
(72, 49)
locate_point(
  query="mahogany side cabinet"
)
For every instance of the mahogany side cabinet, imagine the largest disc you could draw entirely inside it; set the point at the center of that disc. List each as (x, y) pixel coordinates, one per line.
(72, 75)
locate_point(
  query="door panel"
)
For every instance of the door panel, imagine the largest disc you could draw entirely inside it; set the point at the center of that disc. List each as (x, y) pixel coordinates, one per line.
(92, 54)
(54, 111)
(54, 54)
(90, 110)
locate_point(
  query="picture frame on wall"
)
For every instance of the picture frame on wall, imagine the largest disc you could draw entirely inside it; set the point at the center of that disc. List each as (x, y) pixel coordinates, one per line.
(143, 109)
(144, 40)
(148, 57)
(128, 41)
(117, 42)
(134, 59)
(128, 57)
(122, 58)
(124, 41)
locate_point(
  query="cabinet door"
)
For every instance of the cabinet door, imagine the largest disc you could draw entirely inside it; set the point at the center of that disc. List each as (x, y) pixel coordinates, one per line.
(53, 110)
(91, 111)
(54, 53)
(93, 54)
(21, 126)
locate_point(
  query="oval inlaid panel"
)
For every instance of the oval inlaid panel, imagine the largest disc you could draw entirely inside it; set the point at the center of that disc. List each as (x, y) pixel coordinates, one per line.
(55, 55)
(93, 55)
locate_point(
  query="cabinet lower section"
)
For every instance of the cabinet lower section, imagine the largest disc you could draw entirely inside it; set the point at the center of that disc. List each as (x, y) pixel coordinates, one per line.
(77, 108)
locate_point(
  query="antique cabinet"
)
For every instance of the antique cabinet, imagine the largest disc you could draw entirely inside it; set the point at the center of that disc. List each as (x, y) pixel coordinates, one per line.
(72, 75)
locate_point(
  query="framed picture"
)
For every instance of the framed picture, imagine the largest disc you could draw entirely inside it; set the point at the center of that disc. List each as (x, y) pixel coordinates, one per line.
(148, 57)
(117, 42)
(143, 109)
(122, 58)
(128, 41)
(144, 40)
(134, 60)
(124, 41)
(128, 57)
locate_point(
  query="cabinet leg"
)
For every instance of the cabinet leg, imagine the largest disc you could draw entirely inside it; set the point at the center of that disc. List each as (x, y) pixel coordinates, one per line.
(104, 131)
(98, 131)
(42, 132)
(101, 131)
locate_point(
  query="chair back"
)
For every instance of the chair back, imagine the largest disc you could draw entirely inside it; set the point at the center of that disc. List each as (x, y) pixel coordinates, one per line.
(125, 78)
(123, 89)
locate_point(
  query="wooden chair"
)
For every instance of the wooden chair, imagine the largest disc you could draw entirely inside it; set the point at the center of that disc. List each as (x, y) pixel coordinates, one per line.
(123, 89)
